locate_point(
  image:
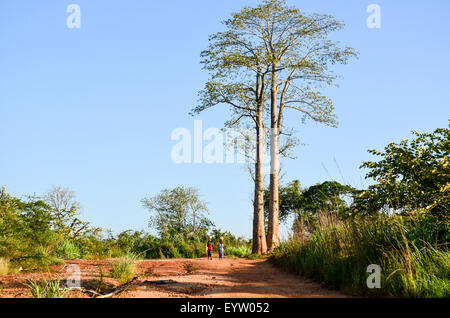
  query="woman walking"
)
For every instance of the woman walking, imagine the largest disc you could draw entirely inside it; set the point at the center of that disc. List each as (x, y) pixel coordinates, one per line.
(221, 248)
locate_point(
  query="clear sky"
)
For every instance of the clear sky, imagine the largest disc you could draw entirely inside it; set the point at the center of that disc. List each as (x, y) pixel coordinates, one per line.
(93, 108)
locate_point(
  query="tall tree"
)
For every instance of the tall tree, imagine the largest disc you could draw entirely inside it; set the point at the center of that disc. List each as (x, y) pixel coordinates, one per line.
(238, 79)
(299, 54)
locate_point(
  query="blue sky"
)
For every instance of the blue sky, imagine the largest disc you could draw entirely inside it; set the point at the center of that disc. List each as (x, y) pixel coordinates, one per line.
(93, 108)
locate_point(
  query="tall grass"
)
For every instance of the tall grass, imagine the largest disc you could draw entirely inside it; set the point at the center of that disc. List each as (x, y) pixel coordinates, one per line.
(68, 250)
(124, 268)
(338, 253)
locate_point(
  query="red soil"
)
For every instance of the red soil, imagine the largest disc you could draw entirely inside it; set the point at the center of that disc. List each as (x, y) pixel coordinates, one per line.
(228, 278)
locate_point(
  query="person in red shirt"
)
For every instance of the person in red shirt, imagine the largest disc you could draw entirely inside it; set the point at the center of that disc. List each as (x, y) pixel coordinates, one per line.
(209, 248)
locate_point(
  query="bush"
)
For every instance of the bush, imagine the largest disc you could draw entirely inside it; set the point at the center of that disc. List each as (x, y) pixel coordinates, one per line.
(238, 251)
(338, 253)
(68, 250)
(411, 175)
(26, 238)
(124, 268)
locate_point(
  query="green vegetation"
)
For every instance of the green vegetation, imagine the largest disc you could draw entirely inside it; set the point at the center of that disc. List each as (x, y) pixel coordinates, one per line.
(46, 288)
(68, 250)
(34, 235)
(339, 251)
(177, 210)
(26, 234)
(124, 268)
(238, 251)
(411, 175)
(400, 223)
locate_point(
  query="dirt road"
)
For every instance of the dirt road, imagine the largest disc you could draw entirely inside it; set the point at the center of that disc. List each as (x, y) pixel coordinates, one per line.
(229, 278)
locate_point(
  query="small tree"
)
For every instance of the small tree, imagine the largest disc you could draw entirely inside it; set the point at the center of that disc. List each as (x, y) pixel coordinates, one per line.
(65, 210)
(305, 204)
(25, 227)
(411, 175)
(177, 210)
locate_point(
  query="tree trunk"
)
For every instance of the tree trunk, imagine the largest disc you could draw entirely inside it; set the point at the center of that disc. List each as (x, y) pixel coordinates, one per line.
(259, 235)
(273, 224)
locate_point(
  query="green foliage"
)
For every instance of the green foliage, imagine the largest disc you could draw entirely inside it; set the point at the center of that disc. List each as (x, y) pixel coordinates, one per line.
(26, 237)
(68, 250)
(270, 41)
(238, 251)
(177, 210)
(46, 288)
(339, 251)
(175, 245)
(30, 237)
(98, 247)
(124, 268)
(256, 256)
(65, 211)
(411, 175)
(229, 238)
(401, 223)
(305, 204)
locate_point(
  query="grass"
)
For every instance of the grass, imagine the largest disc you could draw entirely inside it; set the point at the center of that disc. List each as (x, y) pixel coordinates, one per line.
(338, 253)
(68, 250)
(124, 268)
(4, 266)
(46, 288)
(239, 251)
(256, 256)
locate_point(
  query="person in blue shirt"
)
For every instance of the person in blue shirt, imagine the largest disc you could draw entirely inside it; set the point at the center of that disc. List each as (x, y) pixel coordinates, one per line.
(221, 248)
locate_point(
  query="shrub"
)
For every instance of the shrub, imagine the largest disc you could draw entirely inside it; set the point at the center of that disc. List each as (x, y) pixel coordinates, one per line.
(68, 250)
(124, 268)
(238, 251)
(410, 175)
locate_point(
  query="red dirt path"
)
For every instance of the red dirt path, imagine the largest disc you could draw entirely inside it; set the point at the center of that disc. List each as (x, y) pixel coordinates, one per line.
(229, 278)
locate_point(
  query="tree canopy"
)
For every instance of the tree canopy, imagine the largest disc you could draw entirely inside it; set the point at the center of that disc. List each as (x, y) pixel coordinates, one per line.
(329, 196)
(177, 210)
(411, 175)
